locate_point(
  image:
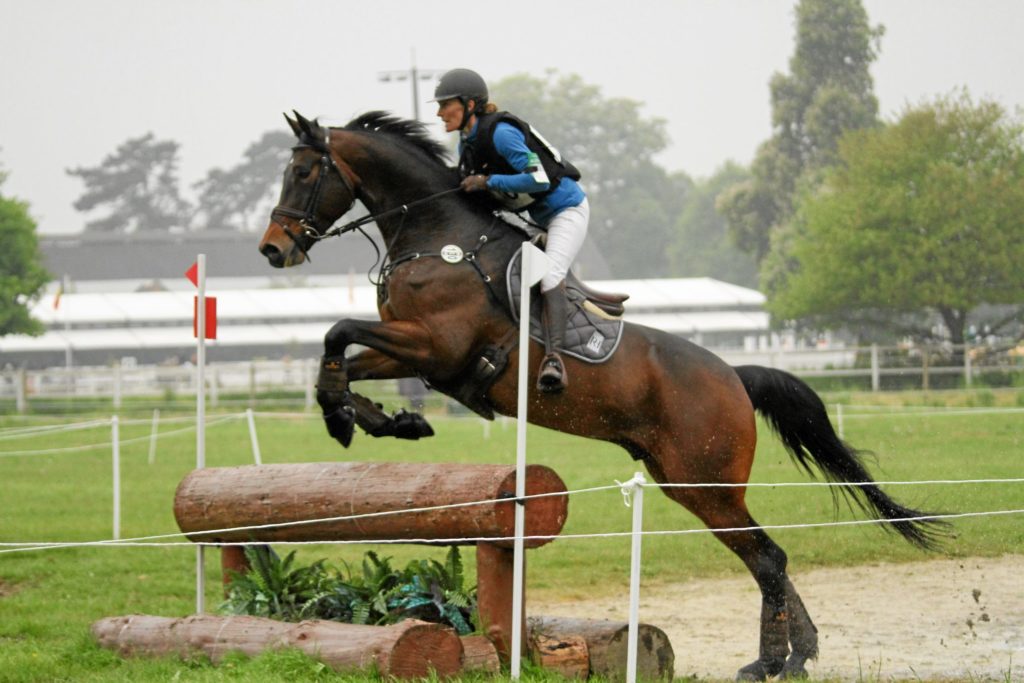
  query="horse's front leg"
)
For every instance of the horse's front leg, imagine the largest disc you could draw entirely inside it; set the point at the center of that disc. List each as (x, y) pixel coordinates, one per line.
(391, 344)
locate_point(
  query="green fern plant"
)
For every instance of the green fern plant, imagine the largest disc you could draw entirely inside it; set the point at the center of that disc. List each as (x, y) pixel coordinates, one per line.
(377, 594)
(275, 587)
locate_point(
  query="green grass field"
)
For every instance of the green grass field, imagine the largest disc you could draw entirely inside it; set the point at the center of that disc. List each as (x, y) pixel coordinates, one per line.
(48, 598)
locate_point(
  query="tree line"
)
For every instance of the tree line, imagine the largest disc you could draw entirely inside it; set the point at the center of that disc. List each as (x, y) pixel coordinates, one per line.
(842, 219)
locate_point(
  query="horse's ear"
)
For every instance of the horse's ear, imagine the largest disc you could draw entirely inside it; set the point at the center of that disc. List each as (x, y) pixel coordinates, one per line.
(294, 126)
(303, 122)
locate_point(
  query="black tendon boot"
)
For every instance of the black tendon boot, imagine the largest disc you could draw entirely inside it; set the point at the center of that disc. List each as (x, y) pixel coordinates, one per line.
(552, 377)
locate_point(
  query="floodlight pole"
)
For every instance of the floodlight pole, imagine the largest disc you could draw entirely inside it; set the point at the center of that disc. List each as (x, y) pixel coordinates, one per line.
(414, 75)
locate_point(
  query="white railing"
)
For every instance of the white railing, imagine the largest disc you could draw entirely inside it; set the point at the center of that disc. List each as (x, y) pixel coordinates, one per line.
(873, 367)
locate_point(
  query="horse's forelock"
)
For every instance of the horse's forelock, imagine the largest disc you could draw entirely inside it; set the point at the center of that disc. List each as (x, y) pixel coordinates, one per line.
(315, 137)
(412, 132)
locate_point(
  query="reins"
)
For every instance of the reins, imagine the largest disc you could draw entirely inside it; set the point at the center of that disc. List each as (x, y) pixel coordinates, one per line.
(369, 218)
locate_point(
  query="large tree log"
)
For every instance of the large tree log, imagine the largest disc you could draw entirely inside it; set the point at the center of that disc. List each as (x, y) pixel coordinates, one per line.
(607, 643)
(228, 497)
(409, 649)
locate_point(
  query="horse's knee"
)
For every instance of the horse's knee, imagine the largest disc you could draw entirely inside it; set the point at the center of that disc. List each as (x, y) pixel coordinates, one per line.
(339, 336)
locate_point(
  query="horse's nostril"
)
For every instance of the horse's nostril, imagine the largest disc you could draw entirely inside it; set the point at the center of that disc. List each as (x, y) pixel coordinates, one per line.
(273, 255)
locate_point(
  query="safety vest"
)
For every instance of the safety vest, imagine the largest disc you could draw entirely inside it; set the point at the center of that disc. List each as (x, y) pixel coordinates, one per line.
(479, 155)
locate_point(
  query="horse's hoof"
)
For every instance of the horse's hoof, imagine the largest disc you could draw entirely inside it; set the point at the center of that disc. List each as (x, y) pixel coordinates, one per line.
(794, 668)
(411, 426)
(340, 423)
(760, 670)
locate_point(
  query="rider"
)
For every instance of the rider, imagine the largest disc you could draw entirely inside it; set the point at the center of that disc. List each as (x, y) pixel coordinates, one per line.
(505, 155)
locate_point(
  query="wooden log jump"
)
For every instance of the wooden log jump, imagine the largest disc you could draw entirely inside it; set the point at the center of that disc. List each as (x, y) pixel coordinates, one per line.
(292, 494)
(410, 649)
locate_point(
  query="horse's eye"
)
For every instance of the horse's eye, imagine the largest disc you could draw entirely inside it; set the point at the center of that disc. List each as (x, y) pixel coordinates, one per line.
(302, 171)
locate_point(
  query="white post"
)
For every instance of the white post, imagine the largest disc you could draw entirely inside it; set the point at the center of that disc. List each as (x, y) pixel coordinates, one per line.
(535, 264)
(252, 382)
(214, 390)
(839, 420)
(252, 436)
(117, 385)
(309, 381)
(201, 414)
(152, 435)
(874, 368)
(487, 428)
(66, 287)
(634, 575)
(116, 458)
(968, 379)
(20, 380)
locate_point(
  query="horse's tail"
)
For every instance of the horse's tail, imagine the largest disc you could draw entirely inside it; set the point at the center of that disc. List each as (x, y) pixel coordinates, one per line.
(797, 414)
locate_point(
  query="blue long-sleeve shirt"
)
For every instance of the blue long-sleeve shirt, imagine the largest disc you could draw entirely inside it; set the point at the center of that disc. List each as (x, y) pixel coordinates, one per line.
(511, 144)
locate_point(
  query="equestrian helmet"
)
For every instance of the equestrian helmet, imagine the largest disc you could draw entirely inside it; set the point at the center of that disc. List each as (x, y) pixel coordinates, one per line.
(461, 84)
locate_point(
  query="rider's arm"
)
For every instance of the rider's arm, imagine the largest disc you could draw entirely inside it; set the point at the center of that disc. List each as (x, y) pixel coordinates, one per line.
(510, 143)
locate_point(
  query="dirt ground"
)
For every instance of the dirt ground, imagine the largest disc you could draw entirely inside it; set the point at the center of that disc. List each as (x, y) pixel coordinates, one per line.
(957, 619)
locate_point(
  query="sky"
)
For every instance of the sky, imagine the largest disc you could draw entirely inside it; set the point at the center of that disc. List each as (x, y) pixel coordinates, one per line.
(77, 78)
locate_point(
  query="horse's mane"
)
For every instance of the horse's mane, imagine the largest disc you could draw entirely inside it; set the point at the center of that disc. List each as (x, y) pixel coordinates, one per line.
(413, 132)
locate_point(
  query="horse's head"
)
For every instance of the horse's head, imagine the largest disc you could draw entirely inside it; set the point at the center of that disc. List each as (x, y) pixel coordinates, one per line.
(318, 188)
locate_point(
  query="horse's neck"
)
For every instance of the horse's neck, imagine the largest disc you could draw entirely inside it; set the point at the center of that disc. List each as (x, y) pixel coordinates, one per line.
(389, 182)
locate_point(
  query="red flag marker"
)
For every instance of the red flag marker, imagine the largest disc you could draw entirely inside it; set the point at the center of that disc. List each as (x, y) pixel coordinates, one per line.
(193, 274)
(211, 316)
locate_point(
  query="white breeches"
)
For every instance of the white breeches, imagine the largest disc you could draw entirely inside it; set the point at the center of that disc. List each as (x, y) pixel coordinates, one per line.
(566, 233)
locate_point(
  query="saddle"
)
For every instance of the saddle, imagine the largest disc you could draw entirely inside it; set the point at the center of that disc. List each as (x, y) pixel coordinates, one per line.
(593, 331)
(592, 334)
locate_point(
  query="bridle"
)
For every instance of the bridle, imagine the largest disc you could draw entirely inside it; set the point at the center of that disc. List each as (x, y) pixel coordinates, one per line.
(307, 221)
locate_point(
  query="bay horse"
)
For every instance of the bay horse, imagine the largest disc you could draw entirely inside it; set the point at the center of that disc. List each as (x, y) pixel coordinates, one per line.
(676, 407)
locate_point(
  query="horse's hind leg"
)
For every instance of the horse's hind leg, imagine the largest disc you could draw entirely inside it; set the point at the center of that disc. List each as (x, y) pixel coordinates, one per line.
(803, 635)
(784, 619)
(767, 562)
(722, 509)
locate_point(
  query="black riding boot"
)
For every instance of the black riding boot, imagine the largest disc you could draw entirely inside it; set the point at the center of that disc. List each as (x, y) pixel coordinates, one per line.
(552, 377)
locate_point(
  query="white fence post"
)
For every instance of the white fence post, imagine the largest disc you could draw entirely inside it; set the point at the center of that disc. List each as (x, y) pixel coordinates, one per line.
(535, 264)
(214, 390)
(117, 385)
(252, 382)
(116, 458)
(152, 435)
(252, 436)
(309, 381)
(637, 491)
(201, 415)
(874, 368)
(839, 420)
(20, 380)
(967, 366)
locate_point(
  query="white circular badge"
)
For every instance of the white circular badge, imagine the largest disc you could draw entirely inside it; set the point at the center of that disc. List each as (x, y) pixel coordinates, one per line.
(451, 253)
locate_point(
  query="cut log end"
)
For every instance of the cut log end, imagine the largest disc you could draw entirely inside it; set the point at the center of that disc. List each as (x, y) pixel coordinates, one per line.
(480, 655)
(424, 649)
